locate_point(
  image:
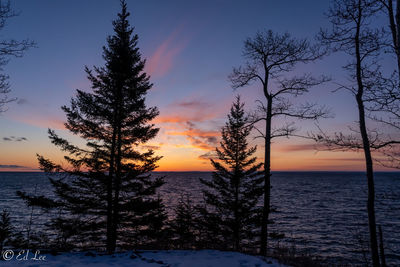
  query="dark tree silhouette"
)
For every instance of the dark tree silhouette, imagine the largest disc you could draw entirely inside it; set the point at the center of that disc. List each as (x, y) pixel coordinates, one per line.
(184, 224)
(352, 34)
(233, 194)
(271, 56)
(8, 48)
(394, 26)
(385, 100)
(383, 107)
(105, 192)
(6, 228)
(156, 233)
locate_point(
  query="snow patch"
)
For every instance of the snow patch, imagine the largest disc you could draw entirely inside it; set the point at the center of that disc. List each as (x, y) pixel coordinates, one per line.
(171, 258)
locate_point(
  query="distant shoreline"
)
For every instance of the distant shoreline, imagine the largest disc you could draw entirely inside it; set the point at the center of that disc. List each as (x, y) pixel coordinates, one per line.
(395, 171)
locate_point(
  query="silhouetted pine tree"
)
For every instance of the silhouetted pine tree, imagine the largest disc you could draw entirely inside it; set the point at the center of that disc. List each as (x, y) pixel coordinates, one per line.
(232, 213)
(184, 224)
(156, 233)
(106, 195)
(5, 229)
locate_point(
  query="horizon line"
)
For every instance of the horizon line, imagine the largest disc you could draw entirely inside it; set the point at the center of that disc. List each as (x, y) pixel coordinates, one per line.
(38, 171)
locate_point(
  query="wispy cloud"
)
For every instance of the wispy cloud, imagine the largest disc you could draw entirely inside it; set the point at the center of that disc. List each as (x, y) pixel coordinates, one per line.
(202, 139)
(193, 104)
(193, 110)
(209, 155)
(195, 119)
(180, 118)
(172, 119)
(342, 159)
(12, 167)
(14, 139)
(162, 60)
(300, 147)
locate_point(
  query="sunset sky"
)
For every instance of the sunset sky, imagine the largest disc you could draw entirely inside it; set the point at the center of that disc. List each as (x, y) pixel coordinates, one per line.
(191, 48)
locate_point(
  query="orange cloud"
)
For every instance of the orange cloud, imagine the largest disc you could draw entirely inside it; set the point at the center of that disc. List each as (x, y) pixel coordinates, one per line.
(152, 147)
(209, 155)
(188, 110)
(170, 119)
(194, 119)
(161, 61)
(202, 139)
(183, 118)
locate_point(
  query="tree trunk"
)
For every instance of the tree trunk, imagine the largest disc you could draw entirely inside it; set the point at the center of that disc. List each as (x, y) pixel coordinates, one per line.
(236, 234)
(110, 247)
(381, 248)
(371, 187)
(367, 153)
(117, 180)
(236, 215)
(267, 181)
(117, 187)
(397, 29)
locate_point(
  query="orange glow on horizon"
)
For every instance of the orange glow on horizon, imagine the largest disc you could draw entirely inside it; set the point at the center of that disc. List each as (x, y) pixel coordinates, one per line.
(187, 159)
(184, 147)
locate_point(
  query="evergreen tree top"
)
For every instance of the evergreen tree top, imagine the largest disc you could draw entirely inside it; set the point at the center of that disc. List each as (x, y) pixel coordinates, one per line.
(232, 195)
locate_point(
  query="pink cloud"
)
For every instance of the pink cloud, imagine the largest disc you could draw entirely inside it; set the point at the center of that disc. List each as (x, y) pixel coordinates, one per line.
(209, 155)
(191, 110)
(196, 119)
(161, 61)
(198, 138)
(178, 118)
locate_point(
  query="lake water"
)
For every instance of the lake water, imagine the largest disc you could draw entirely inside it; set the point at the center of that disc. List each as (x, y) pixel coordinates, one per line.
(323, 213)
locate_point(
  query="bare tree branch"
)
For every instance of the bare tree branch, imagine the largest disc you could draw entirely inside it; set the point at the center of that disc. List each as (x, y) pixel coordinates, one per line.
(9, 48)
(272, 56)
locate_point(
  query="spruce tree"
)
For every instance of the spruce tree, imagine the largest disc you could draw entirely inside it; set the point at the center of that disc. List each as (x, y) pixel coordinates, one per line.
(234, 192)
(6, 229)
(105, 194)
(155, 236)
(184, 224)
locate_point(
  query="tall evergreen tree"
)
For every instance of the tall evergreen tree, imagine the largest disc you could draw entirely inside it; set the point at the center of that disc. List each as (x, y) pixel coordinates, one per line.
(106, 193)
(236, 187)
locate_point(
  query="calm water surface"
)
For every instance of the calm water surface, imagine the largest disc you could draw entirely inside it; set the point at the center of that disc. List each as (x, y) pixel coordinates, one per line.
(323, 213)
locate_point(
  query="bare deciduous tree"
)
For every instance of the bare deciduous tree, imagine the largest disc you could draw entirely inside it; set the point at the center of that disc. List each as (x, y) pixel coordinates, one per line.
(352, 34)
(270, 60)
(385, 99)
(394, 25)
(8, 48)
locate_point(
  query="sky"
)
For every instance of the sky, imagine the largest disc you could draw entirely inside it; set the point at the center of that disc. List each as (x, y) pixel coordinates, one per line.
(190, 48)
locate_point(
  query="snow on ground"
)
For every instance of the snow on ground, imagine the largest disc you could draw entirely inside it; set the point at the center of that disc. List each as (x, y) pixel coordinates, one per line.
(172, 258)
